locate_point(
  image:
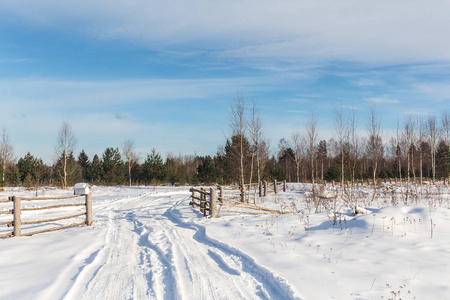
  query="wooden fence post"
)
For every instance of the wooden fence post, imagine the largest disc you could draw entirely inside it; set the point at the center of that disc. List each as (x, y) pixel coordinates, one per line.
(16, 222)
(222, 195)
(275, 186)
(265, 188)
(192, 198)
(88, 209)
(284, 186)
(243, 193)
(203, 202)
(212, 202)
(260, 189)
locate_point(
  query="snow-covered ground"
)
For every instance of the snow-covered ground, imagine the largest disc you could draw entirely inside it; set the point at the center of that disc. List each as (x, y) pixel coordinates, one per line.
(148, 243)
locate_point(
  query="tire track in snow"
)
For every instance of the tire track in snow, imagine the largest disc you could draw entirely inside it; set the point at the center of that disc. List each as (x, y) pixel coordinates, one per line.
(151, 253)
(118, 274)
(270, 285)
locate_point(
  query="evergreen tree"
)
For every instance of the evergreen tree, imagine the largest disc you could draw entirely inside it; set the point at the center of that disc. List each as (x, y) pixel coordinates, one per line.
(154, 169)
(287, 162)
(273, 171)
(83, 162)
(333, 173)
(442, 160)
(233, 156)
(207, 172)
(95, 170)
(32, 170)
(73, 171)
(321, 158)
(113, 167)
(26, 167)
(13, 176)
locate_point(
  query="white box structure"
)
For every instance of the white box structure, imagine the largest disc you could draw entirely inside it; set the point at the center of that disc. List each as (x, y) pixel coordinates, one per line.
(81, 189)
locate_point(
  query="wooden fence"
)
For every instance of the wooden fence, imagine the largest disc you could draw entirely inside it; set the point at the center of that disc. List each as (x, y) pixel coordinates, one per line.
(379, 181)
(17, 210)
(213, 201)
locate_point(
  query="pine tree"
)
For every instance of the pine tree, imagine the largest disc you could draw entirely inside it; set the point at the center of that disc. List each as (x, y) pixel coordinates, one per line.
(83, 162)
(113, 167)
(442, 160)
(25, 166)
(154, 169)
(95, 170)
(207, 172)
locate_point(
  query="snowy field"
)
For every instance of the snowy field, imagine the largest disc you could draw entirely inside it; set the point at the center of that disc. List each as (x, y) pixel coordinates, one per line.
(148, 243)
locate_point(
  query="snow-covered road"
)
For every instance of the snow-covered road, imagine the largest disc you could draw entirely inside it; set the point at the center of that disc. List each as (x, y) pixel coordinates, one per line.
(148, 243)
(149, 252)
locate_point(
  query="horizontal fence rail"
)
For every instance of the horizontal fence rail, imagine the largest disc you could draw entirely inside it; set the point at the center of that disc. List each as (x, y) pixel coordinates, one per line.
(17, 211)
(213, 200)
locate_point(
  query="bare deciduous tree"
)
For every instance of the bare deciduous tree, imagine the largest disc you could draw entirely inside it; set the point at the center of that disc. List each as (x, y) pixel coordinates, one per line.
(311, 136)
(256, 136)
(7, 153)
(421, 140)
(409, 137)
(238, 128)
(432, 138)
(398, 152)
(65, 145)
(297, 146)
(263, 155)
(375, 141)
(130, 156)
(445, 125)
(355, 144)
(341, 131)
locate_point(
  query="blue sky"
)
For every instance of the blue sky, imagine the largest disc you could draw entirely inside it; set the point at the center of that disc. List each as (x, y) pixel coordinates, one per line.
(165, 73)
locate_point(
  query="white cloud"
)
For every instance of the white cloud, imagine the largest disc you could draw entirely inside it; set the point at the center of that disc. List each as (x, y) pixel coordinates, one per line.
(433, 91)
(382, 100)
(363, 31)
(29, 94)
(368, 82)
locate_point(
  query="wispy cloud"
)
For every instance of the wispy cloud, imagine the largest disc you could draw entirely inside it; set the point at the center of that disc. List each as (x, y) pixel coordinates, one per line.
(313, 30)
(368, 82)
(15, 61)
(382, 100)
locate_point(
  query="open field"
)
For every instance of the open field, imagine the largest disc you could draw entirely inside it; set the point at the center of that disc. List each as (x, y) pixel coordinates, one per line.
(148, 243)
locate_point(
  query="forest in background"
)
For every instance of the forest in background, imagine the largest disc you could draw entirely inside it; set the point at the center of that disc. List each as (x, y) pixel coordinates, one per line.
(418, 149)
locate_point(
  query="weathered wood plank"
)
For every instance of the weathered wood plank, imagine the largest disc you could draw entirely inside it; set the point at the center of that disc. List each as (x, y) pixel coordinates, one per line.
(53, 229)
(52, 220)
(6, 223)
(9, 234)
(54, 206)
(51, 198)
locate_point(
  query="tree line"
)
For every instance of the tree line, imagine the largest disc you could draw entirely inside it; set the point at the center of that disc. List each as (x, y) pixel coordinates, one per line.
(418, 149)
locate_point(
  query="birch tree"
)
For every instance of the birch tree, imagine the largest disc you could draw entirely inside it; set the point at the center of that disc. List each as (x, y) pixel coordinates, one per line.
(297, 146)
(398, 153)
(311, 136)
(65, 145)
(238, 128)
(408, 134)
(7, 153)
(421, 141)
(130, 156)
(445, 127)
(375, 142)
(256, 136)
(432, 138)
(355, 145)
(341, 131)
